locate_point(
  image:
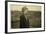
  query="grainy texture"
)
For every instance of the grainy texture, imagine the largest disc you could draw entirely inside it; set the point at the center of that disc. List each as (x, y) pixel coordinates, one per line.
(33, 16)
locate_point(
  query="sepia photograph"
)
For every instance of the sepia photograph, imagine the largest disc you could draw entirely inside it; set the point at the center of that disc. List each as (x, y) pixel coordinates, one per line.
(25, 17)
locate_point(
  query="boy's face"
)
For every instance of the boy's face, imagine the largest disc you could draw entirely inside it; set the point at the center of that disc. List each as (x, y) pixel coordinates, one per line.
(25, 11)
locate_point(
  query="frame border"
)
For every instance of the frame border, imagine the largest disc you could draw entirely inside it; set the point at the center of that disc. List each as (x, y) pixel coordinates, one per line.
(6, 4)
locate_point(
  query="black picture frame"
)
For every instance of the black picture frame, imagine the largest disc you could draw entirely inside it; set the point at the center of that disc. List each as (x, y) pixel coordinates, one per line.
(6, 3)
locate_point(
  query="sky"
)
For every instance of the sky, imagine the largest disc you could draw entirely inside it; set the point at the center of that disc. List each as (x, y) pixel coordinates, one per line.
(14, 7)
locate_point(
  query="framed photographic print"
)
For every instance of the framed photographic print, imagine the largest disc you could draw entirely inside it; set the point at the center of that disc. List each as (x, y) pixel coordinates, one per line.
(23, 16)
